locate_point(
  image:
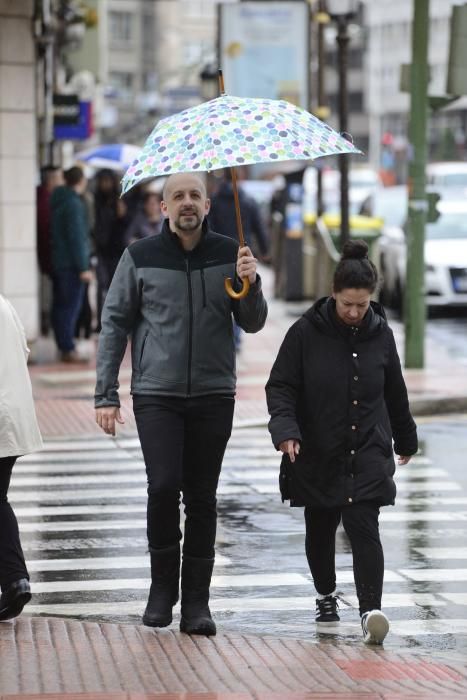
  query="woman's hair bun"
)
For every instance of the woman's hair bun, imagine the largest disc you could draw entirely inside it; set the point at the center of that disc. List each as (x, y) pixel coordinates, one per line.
(356, 250)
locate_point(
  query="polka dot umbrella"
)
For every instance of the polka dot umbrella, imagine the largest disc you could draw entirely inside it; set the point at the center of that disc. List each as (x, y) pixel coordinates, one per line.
(230, 131)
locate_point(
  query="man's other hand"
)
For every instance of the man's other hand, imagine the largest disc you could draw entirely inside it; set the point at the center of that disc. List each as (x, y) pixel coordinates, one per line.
(106, 418)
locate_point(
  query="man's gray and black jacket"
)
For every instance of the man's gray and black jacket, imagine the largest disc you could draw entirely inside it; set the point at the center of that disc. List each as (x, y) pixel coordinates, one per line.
(174, 306)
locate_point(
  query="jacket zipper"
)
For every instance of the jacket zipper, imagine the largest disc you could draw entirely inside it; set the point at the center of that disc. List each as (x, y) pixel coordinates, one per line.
(203, 286)
(190, 333)
(142, 348)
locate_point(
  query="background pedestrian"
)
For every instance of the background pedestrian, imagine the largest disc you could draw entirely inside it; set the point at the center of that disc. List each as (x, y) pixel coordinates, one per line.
(110, 222)
(148, 220)
(337, 401)
(70, 260)
(19, 435)
(51, 177)
(168, 295)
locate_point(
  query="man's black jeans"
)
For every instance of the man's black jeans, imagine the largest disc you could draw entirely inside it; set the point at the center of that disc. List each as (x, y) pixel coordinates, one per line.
(183, 443)
(360, 522)
(12, 565)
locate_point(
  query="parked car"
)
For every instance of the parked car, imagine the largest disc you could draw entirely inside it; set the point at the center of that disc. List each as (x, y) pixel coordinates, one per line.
(447, 174)
(445, 247)
(390, 205)
(363, 180)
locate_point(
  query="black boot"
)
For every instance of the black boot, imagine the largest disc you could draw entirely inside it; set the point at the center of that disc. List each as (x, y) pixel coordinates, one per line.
(163, 594)
(14, 598)
(196, 579)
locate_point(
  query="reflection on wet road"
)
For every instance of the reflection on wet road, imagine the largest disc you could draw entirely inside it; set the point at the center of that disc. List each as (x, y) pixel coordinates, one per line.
(81, 508)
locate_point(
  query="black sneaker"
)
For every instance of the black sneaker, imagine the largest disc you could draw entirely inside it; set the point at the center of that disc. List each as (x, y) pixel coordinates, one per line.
(375, 626)
(326, 609)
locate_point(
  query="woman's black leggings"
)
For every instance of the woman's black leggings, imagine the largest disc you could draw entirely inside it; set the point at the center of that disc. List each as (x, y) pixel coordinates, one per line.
(12, 564)
(360, 522)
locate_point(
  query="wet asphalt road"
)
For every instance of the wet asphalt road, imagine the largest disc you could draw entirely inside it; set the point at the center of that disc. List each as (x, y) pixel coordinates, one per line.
(81, 508)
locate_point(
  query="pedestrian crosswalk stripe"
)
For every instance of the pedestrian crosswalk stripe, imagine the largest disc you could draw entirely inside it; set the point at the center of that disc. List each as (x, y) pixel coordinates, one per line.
(90, 563)
(442, 552)
(264, 473)
(390, 600)
(98, 509)
(435, 574)
(74, 457)
(388, 516)
(111, 493)
(400, 600)
(266, 487)
(456, 598)
(79, 468)
(99, 541)
(100, 443)
(237, 581)
(77, 479)
(401, 628)
(80, 525)
(431, 501)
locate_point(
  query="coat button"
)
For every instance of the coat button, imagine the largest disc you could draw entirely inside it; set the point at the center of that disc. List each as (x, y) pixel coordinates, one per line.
(355, 403)
(351, 476)
(354, 427)
(350, 500)
(354, 354)
(356, 378)
(352, 452)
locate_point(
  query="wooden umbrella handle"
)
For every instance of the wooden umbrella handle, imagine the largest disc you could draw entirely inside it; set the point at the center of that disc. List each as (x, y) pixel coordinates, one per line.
(228, 281)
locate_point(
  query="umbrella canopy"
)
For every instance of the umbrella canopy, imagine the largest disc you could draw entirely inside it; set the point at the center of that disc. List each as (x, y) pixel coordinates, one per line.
(116, 156)
(230, 131)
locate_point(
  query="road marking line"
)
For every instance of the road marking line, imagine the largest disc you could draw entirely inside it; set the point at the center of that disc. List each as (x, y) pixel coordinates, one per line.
(78, 525)
(401, 600)
(111, 493)
(423, 516)
(456, 598)
(435, 574)
(92, 563)
(442, 552)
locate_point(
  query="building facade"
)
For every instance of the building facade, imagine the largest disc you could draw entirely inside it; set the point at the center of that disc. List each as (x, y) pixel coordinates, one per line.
(388, 26)
(18, 161)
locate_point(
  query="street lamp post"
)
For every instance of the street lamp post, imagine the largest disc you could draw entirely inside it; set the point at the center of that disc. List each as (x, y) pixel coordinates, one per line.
(209, 82)
(342, 12)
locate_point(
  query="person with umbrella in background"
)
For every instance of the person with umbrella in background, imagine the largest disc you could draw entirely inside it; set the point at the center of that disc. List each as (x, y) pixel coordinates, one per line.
(168, 295)
(337, 400)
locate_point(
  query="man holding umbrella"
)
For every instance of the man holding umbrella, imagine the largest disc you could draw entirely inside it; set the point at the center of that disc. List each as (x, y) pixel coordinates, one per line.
(168, 294)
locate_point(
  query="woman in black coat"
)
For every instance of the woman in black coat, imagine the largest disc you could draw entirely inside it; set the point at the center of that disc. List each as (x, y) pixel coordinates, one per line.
(337, 401)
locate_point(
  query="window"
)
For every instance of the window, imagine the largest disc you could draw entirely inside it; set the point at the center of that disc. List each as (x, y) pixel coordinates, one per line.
(122, 84)
(120, 27)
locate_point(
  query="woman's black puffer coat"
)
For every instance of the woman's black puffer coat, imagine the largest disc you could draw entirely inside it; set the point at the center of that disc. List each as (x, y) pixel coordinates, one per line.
(339, 390)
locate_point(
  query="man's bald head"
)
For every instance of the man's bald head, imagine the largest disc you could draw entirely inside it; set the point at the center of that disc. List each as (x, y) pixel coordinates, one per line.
(185, 205)
(183, 180)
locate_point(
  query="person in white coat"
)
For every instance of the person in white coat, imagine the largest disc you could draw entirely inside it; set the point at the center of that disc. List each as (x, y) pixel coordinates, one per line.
(19, 435)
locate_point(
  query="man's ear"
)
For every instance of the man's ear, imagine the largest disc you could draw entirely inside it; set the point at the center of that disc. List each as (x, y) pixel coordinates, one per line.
(207, 206)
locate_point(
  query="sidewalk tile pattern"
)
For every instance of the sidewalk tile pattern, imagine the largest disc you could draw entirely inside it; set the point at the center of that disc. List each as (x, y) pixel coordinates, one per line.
(56, 656)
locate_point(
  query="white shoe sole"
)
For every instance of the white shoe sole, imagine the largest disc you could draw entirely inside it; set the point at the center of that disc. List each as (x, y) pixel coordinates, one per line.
(377, 625)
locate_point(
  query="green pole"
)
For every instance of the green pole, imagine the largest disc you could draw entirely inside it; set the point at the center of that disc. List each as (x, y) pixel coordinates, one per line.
(414, 299)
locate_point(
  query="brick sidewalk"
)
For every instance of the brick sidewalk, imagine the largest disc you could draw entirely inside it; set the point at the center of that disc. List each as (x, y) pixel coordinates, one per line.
(53, 658)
